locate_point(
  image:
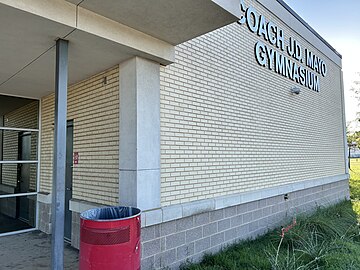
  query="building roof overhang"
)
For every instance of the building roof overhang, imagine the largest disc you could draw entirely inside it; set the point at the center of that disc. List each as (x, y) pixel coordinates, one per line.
(101, 34)
(173, 21)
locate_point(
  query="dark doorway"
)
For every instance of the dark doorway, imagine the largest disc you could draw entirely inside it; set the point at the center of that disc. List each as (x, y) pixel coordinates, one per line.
(68, 180)
(23, 182)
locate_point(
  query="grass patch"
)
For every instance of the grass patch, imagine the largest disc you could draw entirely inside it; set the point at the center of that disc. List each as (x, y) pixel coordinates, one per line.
(328, 239)
(355, 184)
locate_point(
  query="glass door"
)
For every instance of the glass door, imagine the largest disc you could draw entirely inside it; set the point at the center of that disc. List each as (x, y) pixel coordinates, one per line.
(19, 165)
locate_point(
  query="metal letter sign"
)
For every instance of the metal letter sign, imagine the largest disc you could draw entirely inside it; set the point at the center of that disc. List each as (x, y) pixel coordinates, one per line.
(273, 56)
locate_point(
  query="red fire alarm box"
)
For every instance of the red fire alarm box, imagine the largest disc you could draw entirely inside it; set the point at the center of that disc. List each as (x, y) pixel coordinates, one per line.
(76, 158)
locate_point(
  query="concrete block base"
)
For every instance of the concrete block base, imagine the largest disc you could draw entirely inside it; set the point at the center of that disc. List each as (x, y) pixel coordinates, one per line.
(75, 230)
(172, 243)
(44, 217)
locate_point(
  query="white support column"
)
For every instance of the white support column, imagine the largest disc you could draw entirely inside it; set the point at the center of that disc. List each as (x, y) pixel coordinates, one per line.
(139, 148)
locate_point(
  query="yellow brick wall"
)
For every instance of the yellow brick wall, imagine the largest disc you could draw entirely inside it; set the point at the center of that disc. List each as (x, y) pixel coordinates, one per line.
(94, 107)
(229, 125)
(24, 117)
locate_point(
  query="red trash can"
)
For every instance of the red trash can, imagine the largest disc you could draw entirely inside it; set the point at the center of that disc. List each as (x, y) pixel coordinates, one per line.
(110, 238)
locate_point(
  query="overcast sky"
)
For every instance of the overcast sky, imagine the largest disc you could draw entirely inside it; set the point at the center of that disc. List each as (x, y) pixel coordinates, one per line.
(338, 22)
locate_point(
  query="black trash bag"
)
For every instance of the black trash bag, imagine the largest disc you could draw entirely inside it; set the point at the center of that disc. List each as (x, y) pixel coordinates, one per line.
(110, 213)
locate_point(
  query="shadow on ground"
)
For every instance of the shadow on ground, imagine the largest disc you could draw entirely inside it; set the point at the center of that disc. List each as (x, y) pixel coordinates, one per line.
(32, 251)
(8, 224)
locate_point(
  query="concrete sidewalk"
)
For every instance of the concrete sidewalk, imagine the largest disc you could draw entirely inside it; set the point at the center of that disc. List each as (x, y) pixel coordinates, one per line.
(32, 251)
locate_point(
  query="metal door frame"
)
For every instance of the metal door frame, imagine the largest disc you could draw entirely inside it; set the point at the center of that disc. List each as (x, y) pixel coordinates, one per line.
(37, 161)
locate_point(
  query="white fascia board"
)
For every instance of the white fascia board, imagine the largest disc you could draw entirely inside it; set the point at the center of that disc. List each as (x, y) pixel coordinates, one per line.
(231, 6)
(103, 27)
(59, 11)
